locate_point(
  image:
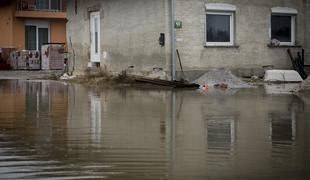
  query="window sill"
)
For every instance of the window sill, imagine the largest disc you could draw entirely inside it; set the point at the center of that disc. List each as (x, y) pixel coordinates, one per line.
(284, 46)
(228, 46)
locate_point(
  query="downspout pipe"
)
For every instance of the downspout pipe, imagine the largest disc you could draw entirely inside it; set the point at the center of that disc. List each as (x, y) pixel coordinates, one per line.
(173, 46)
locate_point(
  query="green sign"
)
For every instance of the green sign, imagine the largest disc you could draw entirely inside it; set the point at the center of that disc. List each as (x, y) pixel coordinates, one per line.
(178, 24)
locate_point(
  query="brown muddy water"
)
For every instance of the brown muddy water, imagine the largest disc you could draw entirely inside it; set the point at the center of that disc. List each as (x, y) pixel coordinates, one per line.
(52, 130)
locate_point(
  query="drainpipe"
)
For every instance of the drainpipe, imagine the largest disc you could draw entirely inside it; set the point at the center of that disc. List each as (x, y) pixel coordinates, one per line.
(173, 64)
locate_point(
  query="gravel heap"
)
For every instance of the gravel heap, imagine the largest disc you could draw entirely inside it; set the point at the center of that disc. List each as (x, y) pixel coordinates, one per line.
(221, 76)
(305, 86)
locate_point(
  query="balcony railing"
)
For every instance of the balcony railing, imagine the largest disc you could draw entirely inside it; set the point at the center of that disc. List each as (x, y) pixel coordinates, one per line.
(41, 5)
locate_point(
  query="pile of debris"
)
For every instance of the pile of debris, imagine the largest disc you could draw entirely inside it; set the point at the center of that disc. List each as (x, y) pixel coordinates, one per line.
(305, 86)
(219, 78)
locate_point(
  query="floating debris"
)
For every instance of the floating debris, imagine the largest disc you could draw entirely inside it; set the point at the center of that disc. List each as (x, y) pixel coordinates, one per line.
(172, 84)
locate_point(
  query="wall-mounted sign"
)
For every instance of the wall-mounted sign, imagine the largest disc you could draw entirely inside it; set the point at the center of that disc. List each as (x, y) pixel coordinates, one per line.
(178, 24)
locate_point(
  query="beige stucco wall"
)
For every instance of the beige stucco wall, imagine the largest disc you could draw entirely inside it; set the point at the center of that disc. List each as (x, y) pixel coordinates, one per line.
(58, 31)
(19, 33)
(6, 24)
(252, 23)
(130, 32)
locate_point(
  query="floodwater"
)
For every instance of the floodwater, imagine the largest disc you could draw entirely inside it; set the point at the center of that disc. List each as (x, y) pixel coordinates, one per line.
(51, 130)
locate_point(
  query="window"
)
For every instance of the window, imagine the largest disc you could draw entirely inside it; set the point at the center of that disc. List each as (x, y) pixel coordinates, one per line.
(283, 25)
(56, 5)
(96, 35)
(36, 34)
(43, 37)
(42, 4)
(49, 4)
(31, 37)
(220, 24)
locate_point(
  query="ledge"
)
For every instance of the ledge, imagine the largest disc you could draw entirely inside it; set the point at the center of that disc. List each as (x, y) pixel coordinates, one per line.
(229, 47)
(41, 14)
(284, 46)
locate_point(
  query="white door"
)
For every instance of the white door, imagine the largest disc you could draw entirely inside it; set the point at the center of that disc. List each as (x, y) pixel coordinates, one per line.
(95, 37)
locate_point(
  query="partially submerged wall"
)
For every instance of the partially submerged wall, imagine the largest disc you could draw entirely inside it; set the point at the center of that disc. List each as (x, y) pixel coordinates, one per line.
(252, 24)
(130, 30)
(129, 33)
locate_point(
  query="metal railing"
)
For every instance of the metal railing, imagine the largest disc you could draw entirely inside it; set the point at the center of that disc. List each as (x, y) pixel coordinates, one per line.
(28, 5)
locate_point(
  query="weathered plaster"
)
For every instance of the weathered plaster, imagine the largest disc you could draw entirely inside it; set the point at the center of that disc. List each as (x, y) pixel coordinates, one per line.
(130, 30)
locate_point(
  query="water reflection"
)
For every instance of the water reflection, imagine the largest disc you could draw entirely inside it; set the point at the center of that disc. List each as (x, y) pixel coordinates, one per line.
(283, 124)
(220, 132)
(95, 109)
(283, 127)
(53, 130)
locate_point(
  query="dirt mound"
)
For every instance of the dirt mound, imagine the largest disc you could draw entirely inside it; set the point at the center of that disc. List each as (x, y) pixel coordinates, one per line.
(221, 76)
(305, 86)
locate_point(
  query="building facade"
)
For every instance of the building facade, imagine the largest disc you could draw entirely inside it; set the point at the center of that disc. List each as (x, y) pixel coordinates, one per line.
(244, 36)
(27, 24)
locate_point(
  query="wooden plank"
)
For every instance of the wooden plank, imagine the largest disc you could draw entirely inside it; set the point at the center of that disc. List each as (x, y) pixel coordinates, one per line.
(160, 82)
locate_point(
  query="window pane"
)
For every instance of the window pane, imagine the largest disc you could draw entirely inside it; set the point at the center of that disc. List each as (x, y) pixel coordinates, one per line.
(218, 28)
(96, 35)
(281, 28)
(42, 4)
(43, 37)
(55, 4)
(31, 37)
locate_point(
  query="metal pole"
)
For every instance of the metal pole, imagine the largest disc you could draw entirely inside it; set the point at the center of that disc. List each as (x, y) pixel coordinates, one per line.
(173, 64)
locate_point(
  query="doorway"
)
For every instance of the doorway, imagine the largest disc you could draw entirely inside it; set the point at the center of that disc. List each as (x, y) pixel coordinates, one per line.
(36, 34)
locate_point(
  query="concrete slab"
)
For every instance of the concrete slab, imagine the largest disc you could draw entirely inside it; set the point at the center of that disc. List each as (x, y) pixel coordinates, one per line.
(282, 76)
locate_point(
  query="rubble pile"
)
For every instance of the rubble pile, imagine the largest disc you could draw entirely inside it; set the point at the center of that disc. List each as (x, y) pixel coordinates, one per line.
(220, 77)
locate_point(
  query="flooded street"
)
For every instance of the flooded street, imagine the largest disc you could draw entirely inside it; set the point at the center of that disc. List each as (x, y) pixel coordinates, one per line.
(51, 130)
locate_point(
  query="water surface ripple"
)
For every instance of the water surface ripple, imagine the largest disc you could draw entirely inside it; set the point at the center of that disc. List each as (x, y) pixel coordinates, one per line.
(51, 130)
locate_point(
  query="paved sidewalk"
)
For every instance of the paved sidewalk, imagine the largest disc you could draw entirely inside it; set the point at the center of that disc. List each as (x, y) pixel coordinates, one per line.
(28, 74)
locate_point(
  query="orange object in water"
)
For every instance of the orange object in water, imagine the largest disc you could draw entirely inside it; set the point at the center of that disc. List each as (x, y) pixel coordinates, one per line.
(221, 86)
(205, 87)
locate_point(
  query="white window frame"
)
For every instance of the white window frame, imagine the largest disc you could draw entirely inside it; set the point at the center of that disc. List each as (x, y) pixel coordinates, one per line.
(221, 9)
(39, 24)
(284, 11)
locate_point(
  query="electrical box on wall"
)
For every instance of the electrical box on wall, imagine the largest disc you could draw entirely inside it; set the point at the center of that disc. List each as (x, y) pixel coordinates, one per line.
(162, 39)
(178, 24)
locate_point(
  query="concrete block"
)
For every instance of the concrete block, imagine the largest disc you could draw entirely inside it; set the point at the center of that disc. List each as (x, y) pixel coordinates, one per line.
(282, 76)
